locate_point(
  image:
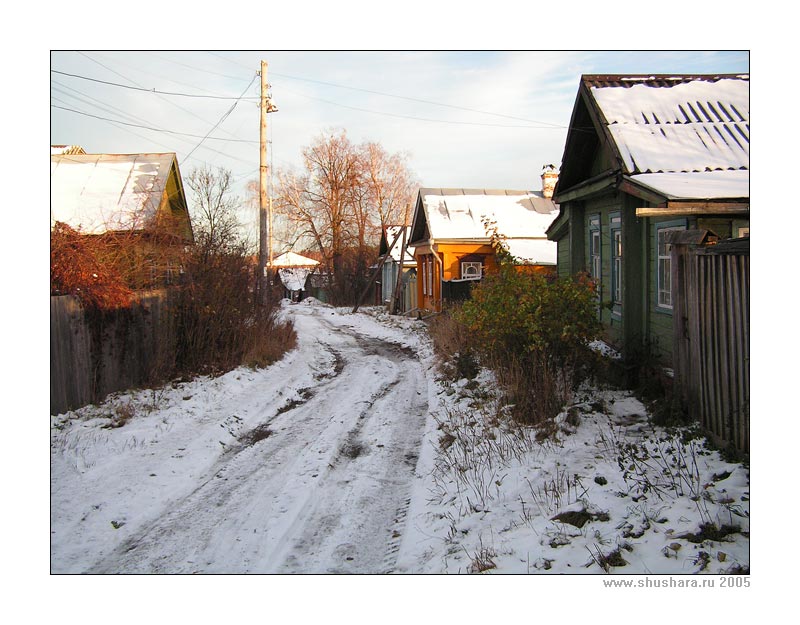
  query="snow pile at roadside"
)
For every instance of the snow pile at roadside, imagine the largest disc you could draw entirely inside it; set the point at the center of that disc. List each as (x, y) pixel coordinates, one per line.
(607, 493)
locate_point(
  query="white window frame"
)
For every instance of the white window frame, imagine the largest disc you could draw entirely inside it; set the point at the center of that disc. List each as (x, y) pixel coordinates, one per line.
(596, 254)
(664, 266)
(615, 231)
(595, 249)
(467, 265)
(429, 273)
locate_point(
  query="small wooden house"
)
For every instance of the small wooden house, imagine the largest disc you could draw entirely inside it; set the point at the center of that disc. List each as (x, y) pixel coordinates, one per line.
(645, 157)
(451, 236)
(133, 203)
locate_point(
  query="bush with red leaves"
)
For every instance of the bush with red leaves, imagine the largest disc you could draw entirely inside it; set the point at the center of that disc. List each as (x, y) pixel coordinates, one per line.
(76, 269)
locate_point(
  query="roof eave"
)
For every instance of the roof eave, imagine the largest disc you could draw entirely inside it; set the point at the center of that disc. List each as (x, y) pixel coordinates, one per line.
(728, 206)
(592, 186)
(559, 228)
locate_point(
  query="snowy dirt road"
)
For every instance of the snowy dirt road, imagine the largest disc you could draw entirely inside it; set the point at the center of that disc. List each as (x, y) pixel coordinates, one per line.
(313, 472)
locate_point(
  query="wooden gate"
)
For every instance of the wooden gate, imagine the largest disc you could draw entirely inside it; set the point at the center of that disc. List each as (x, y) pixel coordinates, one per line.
(711, 322)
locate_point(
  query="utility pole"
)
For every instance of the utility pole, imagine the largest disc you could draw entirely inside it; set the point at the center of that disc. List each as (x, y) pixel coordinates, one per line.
(265, 202)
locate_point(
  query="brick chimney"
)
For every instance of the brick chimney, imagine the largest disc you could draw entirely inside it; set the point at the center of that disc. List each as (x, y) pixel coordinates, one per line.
(549, 179)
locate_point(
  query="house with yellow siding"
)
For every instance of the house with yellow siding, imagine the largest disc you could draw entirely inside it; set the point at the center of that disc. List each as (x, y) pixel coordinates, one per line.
(451, 234)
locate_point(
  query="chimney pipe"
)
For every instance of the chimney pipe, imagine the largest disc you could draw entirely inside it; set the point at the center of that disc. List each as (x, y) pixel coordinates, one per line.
(549, 179)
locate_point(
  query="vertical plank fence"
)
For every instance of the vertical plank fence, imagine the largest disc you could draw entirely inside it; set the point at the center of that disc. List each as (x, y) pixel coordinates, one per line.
(127, 349)
(711, 320)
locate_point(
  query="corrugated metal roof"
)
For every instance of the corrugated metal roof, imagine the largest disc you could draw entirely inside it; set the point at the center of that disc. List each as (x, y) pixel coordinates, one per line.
(706, 185)
(653, 80)
(676, 123)
(97, 193)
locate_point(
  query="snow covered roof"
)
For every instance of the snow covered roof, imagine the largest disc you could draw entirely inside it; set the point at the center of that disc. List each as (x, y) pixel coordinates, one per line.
(458, 215)
(676, 124)
(707, 185)
(390, 233)
(294, 278)
(97, 193)
(538, 251)
(66, 149)
(291, 259)
(454, 214)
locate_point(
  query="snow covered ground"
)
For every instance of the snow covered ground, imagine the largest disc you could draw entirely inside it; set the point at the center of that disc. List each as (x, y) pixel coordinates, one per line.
(350, 455)
(305, 467)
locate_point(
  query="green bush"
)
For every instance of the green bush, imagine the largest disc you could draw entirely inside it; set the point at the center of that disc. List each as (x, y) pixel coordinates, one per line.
(534, 331)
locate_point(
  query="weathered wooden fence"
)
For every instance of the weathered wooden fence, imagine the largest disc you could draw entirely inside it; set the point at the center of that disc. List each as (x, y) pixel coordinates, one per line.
(92, 357)
(711, 321)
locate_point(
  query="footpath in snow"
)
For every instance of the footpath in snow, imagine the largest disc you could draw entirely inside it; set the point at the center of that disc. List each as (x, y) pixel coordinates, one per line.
(351, 456)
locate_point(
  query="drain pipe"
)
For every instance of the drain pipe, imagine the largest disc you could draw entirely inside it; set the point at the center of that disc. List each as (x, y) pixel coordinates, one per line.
(431, 243)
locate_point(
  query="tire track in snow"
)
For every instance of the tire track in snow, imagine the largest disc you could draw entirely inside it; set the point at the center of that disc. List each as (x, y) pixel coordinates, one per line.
(315, 484)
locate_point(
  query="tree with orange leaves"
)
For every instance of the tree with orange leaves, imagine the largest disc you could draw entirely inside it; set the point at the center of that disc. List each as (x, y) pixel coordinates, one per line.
(77, 268)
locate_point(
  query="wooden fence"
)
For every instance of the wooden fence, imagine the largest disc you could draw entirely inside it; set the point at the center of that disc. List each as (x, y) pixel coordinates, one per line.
(125, 349)
(711, 321)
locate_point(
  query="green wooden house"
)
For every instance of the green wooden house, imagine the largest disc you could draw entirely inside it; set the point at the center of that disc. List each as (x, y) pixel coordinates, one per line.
(647, 156)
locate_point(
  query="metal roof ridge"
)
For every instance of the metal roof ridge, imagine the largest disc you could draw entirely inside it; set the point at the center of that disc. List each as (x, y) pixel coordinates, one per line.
(475, 191)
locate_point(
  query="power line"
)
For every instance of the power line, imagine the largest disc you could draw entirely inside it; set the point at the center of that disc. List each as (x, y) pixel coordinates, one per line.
(222, 119)
(187, 111)
(401, 97)
(174, 93)
(364, 110)
(173, 132)
(424, 119)
(96, 103)
(120, 123)
(201, 69)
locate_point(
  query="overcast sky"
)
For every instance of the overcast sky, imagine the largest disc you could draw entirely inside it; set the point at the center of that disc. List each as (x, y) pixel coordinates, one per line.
(465, 119)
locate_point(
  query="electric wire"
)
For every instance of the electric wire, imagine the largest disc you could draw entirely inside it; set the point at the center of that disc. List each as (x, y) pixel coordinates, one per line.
(222, 119)
(156, 91)
(152, 128)
(172, 104)
(393, 95)
(423, 119)
(542, 125)
(185, 110)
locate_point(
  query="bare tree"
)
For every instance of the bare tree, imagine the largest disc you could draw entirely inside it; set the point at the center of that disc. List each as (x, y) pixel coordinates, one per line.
(320, 200)
(215, 220)
(340, 201)
(390, 184)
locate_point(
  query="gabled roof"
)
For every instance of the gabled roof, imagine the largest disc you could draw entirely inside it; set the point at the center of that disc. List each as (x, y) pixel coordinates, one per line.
(98, 193)
(657, 125)
(291, 259)
(459, 215)
(294, 278)
(389, 234)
